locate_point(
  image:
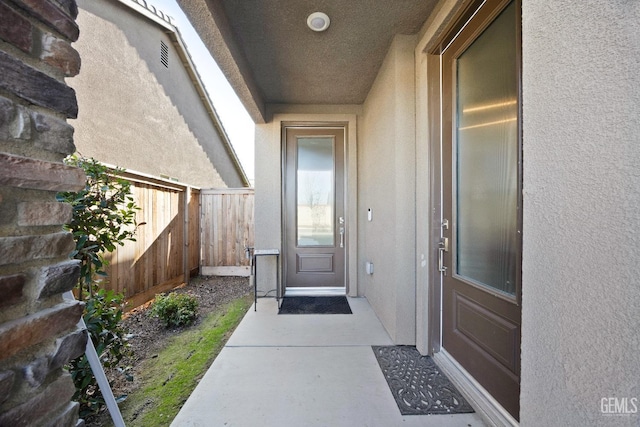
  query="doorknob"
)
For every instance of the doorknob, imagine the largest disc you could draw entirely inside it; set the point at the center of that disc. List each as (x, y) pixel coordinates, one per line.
(342, 237)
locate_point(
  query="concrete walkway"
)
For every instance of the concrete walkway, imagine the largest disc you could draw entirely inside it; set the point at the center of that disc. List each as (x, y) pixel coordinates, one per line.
(302, 370)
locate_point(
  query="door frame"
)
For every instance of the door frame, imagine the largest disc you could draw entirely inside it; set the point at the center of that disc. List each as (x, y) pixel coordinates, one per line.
(348, 214)
(452, 18)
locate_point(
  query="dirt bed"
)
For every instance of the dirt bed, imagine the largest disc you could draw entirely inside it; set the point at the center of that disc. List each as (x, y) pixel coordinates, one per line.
(149, 336)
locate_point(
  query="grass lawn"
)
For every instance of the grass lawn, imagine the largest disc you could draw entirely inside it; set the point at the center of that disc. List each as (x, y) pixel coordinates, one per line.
(169, 379)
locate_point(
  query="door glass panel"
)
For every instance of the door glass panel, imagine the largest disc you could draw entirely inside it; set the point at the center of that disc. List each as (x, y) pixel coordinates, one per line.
(315, 195)
(487, 157)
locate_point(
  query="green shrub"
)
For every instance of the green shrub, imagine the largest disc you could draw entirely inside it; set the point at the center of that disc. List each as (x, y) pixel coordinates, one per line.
(104, 217)
(175, 309)
(103, 313)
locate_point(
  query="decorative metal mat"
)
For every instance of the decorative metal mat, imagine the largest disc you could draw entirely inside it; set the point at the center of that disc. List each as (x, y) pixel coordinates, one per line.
(315, 305)
(417, 384)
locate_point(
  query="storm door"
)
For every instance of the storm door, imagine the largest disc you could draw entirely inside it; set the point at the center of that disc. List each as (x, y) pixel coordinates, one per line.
(315, 231)
(481, 245)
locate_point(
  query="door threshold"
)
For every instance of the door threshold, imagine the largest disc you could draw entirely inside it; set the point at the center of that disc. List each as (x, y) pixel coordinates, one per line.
(314, 292)
(488, 408)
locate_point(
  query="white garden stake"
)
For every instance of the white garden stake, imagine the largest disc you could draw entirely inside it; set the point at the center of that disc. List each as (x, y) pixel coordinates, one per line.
(98, 373)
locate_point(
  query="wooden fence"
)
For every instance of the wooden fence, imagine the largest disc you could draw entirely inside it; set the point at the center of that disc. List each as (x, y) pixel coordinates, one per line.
(227, 226)
(166, 251)
(184, 231)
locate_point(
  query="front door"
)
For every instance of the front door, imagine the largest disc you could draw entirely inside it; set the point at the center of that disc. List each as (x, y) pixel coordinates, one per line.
(314, 222)
(482, 200)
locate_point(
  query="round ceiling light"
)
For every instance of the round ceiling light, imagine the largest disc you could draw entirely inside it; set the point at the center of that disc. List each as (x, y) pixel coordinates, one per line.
(318, 21)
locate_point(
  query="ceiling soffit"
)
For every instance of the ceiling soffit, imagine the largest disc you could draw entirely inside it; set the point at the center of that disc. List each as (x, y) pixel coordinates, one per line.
(281, 61)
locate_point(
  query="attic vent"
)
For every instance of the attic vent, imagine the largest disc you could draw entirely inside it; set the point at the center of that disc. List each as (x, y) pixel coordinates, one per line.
(164, 54)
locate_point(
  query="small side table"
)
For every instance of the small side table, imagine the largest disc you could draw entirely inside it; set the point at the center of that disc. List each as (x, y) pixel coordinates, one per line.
(256, 254)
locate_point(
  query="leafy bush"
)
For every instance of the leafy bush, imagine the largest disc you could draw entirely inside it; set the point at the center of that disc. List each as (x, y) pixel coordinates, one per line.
(175, 309)
(104, 215)
(103, 313)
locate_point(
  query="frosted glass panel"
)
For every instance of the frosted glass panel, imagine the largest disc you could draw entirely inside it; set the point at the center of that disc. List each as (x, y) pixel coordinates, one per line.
(315, 180)
(487, 157)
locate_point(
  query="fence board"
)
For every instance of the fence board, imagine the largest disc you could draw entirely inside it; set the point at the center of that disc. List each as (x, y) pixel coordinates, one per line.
(226, 220)
(161, 258)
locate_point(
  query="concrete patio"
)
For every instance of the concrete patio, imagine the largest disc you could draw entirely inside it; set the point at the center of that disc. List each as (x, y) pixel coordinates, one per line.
(303, 370)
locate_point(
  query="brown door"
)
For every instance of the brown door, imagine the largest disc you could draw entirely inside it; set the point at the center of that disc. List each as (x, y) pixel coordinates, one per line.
(314, 224)
(482, 200)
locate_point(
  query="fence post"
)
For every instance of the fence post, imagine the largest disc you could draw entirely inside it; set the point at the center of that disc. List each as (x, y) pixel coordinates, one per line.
(185, 235)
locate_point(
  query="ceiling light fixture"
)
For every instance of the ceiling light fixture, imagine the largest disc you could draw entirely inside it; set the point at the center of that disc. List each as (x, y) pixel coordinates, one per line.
(318, 21)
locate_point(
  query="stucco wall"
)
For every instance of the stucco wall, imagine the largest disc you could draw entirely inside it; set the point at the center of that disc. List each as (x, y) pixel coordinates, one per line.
(268, 202)
(135, 112)
(386, 164)
(581, 297)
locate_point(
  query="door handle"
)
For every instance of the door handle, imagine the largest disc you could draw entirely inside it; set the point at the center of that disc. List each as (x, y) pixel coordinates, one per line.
(443, 246)
(441, 267)
(342, 237)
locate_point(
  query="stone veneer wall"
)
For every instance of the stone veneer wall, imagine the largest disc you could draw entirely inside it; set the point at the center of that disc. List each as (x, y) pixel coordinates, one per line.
(38, 328)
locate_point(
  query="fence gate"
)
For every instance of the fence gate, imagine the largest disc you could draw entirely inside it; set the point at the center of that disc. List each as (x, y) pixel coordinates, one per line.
(226, 229)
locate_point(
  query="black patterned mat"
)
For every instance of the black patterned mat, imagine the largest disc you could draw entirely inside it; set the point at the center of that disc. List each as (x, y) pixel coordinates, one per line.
(417, 384)
(315, 305)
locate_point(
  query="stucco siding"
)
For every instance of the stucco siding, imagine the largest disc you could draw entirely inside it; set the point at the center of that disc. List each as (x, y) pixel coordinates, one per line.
(268, 202)
(135, 112)
(581, 300)
(387, 187)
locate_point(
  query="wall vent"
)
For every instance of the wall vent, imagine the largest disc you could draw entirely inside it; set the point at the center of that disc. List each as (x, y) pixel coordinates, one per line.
(164, 54)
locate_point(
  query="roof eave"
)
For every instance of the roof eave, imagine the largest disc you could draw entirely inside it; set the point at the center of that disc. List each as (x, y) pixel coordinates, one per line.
(217, 36)
(172, 31)
(187, 62)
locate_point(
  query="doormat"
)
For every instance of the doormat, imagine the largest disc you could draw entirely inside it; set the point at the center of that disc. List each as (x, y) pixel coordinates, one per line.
(417, 384)
(315, 305)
